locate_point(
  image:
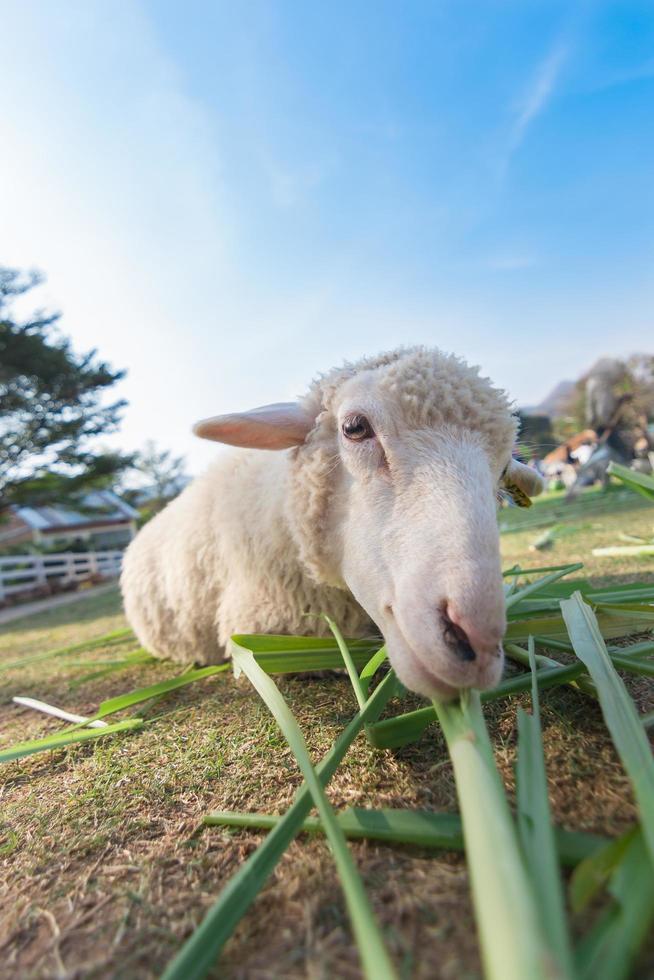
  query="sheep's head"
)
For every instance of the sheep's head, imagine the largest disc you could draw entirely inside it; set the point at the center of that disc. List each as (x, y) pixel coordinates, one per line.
(396, 473)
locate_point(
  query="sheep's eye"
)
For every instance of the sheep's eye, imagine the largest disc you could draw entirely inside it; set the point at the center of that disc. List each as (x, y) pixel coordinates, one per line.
(357, 428)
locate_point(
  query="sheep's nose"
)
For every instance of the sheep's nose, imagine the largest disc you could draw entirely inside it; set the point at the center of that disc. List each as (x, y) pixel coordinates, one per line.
(457, 638)
(468, 639)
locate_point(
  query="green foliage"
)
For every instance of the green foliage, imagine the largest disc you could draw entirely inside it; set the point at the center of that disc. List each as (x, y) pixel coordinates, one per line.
(51, 405)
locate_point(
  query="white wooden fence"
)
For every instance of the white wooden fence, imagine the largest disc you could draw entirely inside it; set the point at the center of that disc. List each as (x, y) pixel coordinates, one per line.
(22, 573)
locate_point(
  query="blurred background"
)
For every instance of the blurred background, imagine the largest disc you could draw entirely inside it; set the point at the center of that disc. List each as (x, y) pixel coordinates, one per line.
(226, 199)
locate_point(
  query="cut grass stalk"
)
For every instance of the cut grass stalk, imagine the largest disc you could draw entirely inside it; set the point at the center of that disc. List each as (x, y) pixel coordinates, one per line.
(200, 951)
(511, 939)
(617, 706)
(625, 551)
(372, 951)
(55, 712)
(420, 828)
(536, 830)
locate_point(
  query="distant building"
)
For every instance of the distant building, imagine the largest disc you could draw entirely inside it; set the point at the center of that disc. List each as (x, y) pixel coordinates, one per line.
(103, 522)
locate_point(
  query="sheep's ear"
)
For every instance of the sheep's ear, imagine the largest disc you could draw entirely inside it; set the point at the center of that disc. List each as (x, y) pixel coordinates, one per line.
(521, 482)
(277, 426)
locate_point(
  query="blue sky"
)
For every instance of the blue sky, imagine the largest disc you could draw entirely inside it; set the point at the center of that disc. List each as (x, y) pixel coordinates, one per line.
(228, 198)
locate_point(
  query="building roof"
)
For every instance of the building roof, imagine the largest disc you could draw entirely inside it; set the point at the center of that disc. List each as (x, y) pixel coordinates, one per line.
(98, 506)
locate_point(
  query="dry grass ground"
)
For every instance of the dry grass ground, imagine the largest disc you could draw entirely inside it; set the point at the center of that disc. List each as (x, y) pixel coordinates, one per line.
(103, 870)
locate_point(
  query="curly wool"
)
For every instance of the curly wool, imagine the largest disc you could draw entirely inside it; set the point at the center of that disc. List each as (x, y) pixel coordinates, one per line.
(433, 390)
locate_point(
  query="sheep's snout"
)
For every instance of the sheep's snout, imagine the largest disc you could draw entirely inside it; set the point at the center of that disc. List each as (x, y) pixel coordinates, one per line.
(469, 640)
(442, 646)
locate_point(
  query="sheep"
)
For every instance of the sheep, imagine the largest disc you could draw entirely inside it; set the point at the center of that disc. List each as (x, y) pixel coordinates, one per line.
(374, 502)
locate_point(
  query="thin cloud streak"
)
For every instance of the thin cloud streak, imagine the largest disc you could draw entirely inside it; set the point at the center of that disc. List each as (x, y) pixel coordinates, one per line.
(539, 92)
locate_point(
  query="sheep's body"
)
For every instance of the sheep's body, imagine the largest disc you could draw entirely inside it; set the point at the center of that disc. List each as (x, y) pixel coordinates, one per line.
(259, 543)
(221, 559)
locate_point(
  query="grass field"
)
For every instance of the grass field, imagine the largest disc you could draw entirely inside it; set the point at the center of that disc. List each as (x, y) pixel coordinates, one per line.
(105, 870)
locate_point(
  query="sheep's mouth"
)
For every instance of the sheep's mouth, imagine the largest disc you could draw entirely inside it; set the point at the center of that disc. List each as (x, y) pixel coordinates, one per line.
(423, 678)
(436, 687)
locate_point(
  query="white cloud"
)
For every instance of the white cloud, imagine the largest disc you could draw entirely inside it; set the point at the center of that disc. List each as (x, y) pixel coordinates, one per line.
(538, 93)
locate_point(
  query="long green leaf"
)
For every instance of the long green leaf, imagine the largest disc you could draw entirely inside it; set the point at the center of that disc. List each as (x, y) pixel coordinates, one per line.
(639, 482)
(200, 951)
(108, 639)
(421, 828)
(617, 706)
(511, 939)
(372, 951)
(373, 665)
(112, 705)
(293, 654)
(593, 873)
(540, 584)
(536, 830)
(610, 948)
(67, 737)
(358, 686)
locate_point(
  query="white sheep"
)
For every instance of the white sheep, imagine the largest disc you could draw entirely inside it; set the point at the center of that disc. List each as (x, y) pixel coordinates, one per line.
(379, 510)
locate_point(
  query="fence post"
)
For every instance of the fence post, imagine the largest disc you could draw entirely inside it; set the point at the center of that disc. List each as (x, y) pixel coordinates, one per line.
(39, 570)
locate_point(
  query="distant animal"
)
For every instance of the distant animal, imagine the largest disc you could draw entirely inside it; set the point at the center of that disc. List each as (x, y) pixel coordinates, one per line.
(372, 499)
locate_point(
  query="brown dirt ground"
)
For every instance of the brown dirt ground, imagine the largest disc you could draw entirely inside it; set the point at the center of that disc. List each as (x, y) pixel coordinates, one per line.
(103, 873)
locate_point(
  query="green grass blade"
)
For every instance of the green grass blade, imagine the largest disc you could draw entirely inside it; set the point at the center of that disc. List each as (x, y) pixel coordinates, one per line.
(200, 951)
(112, 705)
(108, 639)
(617, 706)
(633, 664)
(421, 828)
(104, 668)
(373, 665)
(536, 830)
(609, 949)
(359, 688)
(372, 951)
(639, 482)
(539, 570)
(406, 728)
(593, 873)
(511, 941)
(109, 707)
(541, 584)
(295, 654)
(67, 737)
